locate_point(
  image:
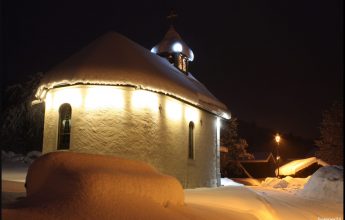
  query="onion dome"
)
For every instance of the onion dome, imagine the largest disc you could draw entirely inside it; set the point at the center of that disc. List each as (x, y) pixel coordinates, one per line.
(174, 49)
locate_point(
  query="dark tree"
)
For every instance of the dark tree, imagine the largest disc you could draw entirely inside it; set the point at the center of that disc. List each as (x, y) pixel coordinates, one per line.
(229, 138)
(21, 122)
(331, 140)
(236, 149)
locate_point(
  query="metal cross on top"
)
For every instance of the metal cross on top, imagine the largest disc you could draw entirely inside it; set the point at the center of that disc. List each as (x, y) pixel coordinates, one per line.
(172, 16)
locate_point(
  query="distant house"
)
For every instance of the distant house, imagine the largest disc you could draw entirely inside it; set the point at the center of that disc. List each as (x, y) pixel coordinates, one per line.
(118, 98)
(262, 166)
(301, 167)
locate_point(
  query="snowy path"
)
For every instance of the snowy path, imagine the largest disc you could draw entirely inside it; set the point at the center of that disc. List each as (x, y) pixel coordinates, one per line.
(289, 206)
(226, 200)
(231, 202)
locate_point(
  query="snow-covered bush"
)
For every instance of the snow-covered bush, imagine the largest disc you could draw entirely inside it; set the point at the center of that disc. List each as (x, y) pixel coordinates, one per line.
(325, 184)
(17, 157)
(28, 159)
(3, 154)
(31, 156)
(10, 155)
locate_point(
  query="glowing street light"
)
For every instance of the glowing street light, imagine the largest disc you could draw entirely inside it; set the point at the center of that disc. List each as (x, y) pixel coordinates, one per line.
(277, 138)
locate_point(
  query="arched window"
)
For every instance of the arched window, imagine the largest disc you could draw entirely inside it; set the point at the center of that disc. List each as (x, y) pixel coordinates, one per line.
(65, 113)
(191, 141)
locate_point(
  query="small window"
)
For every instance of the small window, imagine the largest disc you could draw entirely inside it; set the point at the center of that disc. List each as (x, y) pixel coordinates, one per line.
(191, 141)
(65, 113)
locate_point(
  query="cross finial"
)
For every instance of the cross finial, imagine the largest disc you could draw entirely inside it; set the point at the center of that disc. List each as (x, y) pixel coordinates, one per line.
(172, 16)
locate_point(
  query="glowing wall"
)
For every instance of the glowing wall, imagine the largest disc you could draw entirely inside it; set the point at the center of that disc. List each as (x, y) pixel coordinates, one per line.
(137, 124)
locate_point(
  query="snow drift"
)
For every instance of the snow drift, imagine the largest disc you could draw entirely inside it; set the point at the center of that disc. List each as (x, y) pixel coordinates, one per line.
(325, 184)
(67, 185)
(285, 183)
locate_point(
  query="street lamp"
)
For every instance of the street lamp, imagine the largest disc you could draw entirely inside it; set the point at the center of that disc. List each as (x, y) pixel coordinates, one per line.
(277, 138)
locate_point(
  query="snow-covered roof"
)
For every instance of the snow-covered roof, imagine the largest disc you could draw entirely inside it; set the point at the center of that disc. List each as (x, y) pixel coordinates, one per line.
(295, 166)
(113, 59)
(171, 43)
(262, 155)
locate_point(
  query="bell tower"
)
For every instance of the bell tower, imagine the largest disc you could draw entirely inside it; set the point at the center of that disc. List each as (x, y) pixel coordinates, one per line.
(173, 48)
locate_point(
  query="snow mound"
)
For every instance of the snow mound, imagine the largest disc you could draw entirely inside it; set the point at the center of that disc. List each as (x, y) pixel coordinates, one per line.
(246, 181)
(229, 182)
(68, 185)
(325, 184)
(99, 178)
(274, 182)
(295, 166)
(285, 183)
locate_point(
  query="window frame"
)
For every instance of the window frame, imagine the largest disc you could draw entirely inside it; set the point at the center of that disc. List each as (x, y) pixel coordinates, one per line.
(191, 141)
(64, 138)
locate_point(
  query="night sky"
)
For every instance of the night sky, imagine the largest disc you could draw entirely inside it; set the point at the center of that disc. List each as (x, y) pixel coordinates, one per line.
(277, 63)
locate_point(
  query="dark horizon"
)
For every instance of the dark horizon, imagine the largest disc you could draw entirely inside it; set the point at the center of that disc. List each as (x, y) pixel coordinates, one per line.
(275, 63)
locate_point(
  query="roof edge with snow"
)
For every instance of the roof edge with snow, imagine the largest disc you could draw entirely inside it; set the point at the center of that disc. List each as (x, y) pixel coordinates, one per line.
(114, 60)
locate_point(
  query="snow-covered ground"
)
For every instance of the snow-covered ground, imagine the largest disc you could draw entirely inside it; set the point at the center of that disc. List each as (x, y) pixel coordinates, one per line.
(273, 199)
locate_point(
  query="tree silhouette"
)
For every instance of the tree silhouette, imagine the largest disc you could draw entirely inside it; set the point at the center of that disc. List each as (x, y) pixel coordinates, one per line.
(21, 123)
(330, 142)
(236, 149)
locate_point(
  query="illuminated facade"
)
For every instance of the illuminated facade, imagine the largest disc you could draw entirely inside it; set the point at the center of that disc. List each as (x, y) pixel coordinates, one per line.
(115, 97)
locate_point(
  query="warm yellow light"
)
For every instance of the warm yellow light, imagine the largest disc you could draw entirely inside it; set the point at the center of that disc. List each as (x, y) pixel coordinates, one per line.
(67, 95)
(191, 114)
(49, 101)
(104, 97)
(142, 99)
(43, 94)
(218, 124)
(173, 109)
(277, 137)
(226, 116)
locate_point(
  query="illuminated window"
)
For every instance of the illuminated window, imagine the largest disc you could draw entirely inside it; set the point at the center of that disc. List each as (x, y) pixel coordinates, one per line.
(65, 113)
(191, 141)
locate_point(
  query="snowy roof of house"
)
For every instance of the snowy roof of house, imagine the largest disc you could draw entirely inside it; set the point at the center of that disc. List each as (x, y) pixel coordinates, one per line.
(295, 166)
(113, 59)
(263, 156)
(172, 42)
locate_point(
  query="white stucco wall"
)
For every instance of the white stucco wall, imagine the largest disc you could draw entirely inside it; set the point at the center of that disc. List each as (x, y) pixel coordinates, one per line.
(137, 124)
